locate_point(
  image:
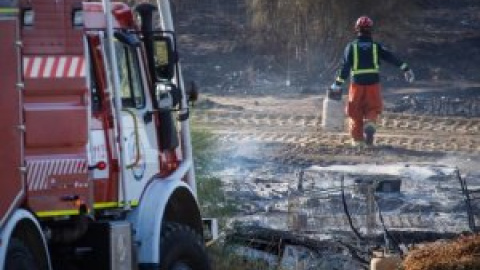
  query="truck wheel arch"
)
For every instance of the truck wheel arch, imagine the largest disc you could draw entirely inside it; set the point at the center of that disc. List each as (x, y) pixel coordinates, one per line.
(163, 201)
(23, 227)
(182, 208)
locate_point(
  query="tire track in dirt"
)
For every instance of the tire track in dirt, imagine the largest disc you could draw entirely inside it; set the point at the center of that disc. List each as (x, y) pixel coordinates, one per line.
(389, 122)
(298, 140)
(468, 144)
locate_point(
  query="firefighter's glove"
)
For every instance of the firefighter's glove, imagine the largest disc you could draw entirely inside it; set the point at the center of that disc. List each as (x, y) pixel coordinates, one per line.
(409, 76)
(335, 91)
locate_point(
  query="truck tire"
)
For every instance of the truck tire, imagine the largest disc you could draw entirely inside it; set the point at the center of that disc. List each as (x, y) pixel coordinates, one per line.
(19, 257)
(182, 249)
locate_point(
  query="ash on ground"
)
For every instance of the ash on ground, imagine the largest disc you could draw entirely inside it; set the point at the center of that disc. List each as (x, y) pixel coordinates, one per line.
(333, 217)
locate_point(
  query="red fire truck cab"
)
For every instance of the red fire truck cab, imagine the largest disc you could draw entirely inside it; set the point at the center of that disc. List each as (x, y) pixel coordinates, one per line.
(96, 163)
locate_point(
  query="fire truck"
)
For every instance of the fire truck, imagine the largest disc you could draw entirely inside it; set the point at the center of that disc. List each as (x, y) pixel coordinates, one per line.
(96, 164)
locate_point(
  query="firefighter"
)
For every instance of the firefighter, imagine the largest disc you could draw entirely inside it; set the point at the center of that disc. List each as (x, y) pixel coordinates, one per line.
(361, 61)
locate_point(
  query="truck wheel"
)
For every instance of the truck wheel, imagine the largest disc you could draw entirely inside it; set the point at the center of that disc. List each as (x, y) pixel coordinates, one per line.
(19, 257)
(182, 249)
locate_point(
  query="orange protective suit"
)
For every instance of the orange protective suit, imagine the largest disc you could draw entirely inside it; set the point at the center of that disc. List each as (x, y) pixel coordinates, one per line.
(364, 104)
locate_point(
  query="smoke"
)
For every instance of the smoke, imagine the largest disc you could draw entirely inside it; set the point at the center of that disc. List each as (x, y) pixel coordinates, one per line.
(466, 164)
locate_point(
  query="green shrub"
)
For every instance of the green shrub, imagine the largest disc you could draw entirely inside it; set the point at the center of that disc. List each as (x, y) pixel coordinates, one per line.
(212, 199)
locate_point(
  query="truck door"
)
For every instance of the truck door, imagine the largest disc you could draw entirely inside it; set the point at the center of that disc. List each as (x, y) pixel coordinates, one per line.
(10, 119)
(140, 146)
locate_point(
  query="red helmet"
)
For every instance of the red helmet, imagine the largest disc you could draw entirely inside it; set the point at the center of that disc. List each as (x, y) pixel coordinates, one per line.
(363, 23)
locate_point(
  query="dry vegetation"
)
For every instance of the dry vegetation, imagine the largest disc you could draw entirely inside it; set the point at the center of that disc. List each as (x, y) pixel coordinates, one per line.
(463, 253)
(303, 27)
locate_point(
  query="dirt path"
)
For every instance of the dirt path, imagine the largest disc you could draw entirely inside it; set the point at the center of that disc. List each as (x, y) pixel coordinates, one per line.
(288, 130)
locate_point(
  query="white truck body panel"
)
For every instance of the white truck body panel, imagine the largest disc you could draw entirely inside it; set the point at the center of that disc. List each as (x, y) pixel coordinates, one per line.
(149, 215)
(147, 164)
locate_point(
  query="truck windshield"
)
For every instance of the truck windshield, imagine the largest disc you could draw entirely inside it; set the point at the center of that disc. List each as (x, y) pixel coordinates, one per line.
(129, 76)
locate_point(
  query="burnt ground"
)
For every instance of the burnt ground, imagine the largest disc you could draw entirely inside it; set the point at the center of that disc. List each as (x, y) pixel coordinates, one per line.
(440, 42)
(246, 100)
(263, 133)
(240, 89)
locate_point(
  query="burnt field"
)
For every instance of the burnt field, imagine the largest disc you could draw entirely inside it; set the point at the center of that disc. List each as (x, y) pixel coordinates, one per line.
(267, 149)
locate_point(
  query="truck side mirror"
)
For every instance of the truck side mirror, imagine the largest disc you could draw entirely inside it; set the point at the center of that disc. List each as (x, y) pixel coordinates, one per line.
(164, 58)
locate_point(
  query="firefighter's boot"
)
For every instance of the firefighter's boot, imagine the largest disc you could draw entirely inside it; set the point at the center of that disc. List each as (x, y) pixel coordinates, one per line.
(369, 130)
